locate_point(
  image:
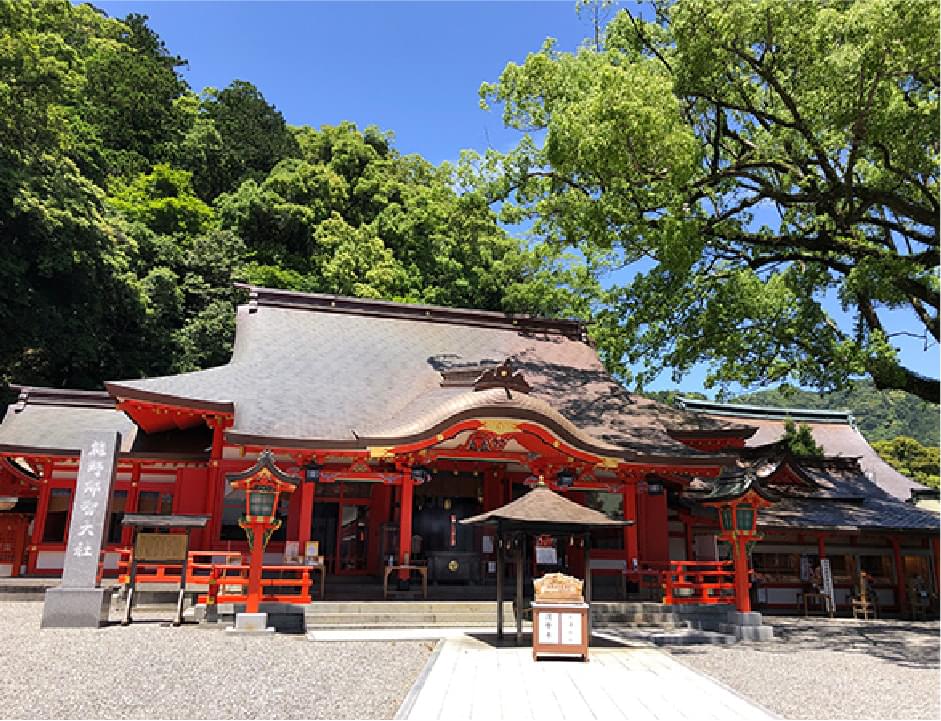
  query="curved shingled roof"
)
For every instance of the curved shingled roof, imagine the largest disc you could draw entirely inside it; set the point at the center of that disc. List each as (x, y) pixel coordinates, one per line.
(834, 431)
(313, 370)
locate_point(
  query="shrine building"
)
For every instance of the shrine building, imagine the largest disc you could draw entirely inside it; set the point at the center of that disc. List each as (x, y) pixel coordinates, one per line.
(402, 420)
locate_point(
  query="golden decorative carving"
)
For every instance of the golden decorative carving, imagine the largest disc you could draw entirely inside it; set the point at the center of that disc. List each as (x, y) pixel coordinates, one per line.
(558, 587)
(380, 451)
(498, 426)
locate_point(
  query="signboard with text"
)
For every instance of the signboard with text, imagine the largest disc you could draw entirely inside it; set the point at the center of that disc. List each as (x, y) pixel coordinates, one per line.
(98, 461)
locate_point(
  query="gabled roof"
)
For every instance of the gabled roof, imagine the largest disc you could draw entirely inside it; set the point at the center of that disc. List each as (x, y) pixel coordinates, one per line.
(53, 421)
(834, 431)
(312, 370)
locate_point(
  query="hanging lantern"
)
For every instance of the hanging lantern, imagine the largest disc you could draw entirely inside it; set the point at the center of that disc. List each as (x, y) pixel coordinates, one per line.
(565, 478)
(725, 519)
(745, 517)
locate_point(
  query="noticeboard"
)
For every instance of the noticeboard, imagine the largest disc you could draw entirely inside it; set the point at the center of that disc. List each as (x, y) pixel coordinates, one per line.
(153, 547)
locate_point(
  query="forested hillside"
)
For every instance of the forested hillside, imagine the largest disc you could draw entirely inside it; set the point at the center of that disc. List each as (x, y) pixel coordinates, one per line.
(880, 415)
(130, 203)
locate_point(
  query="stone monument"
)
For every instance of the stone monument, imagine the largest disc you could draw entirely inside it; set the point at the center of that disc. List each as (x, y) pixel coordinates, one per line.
(77, 603)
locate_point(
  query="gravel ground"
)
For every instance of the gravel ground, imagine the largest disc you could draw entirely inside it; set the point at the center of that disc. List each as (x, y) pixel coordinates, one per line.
(841, 669)
(151, 671)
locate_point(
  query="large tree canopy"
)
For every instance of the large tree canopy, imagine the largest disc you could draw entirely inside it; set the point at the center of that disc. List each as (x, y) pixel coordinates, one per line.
(764, 174)
(129, 206)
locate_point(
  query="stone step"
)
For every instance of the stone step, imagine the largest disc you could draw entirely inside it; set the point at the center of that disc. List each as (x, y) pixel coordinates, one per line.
(489, 624)
(418, 619)
(392, 607)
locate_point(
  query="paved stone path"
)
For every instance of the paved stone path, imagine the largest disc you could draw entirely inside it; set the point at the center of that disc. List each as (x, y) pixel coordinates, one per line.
(472, 678)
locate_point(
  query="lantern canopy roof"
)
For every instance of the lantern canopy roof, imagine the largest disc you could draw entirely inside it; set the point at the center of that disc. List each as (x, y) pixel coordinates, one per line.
(739, 487)
(264, 470)
(542, 508)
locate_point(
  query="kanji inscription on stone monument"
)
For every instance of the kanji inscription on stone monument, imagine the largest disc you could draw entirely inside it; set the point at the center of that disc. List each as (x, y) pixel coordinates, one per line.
(77, 602)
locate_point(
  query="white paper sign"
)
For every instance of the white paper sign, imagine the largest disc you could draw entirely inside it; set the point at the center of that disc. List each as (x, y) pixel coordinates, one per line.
(546, 556)
(487, 546)
(571, 629)
(548, 628)
(827, 575)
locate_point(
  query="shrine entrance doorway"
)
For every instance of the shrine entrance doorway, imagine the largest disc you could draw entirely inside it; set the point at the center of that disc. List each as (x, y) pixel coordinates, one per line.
(341, 521)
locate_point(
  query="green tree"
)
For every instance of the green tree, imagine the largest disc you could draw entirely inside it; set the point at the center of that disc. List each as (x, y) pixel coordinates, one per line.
(745, 160)
(912, 459)
(799, 440)
(129, 97)
(63, 272)
(235, 134)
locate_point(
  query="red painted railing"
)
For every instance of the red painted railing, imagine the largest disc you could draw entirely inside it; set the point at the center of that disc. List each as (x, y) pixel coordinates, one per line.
(122, 570)
(684, 582)
(698, 582)
(292, 584)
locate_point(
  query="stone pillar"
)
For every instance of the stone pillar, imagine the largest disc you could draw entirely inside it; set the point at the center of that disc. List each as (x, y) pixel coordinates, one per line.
(77, 603)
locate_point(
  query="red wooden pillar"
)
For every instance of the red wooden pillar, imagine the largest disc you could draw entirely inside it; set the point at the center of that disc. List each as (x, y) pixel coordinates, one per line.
(405, 521)
(688, 537)
(130, 504)
(630, 532)
(821, 547)
(215, 495)
(308, 489)
(39, 520)
(901, 595)
(742, 601)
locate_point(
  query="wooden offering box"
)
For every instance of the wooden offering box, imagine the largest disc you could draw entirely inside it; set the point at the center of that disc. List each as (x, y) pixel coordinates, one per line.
(560, 617)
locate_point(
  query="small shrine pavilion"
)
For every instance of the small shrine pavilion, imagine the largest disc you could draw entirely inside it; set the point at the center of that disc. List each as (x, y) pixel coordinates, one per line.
(402, 420)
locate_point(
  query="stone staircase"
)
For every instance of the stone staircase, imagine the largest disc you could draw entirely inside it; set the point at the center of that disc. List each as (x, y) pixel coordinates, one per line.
(406, 614)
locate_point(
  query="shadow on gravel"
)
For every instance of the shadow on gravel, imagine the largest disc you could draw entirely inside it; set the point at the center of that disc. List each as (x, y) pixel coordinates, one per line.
(913, 645)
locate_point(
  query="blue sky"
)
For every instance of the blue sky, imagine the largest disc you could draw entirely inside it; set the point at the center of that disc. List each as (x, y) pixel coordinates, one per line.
(410, 67)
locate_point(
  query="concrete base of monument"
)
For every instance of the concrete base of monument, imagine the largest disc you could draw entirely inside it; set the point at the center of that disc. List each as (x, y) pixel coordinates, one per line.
(250, 624)
(76, 608)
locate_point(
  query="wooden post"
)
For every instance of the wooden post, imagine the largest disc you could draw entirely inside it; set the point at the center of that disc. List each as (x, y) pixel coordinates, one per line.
(216, 492)
(405, 522)
(587, 542)
(39, 524)
(821, 547)
(520, 560)
(901, 593)
(935, 546)
(498, 544)
(308, 490)
(742, 601)
(255, 567)
(630, 514)
(130, 506)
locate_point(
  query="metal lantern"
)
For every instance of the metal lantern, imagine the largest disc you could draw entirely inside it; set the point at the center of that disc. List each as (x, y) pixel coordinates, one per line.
(745, 517)
(420, 475)
(260, 501)
(725, 518)
(312, 473)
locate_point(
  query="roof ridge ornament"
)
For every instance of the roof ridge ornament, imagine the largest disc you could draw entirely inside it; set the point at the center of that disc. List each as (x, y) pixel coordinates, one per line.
(502, 376)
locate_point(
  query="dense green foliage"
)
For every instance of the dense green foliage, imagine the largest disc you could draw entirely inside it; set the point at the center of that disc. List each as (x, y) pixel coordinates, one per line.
(799, 440)
(129, 205)
(751, 163)
(911, 458)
